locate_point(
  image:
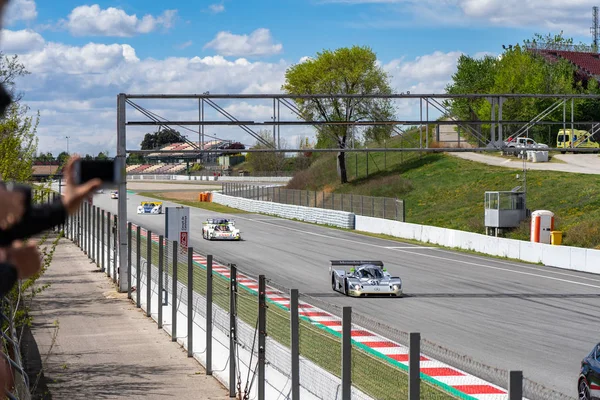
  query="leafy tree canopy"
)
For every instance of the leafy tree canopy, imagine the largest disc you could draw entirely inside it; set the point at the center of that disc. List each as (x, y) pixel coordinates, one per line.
(521, 69)
(161, 138)
(346, 70)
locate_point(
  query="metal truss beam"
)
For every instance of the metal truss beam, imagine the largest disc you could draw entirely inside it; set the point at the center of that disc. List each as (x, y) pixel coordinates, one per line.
(359, 96)
(358, 123)
(372, 150)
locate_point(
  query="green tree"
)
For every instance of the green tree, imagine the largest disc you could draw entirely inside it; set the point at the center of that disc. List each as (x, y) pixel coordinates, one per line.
(343, 71)
(520, 69)
(63, 157)
(101, 156)
(161, 138)
(266, 161)
(135, 159)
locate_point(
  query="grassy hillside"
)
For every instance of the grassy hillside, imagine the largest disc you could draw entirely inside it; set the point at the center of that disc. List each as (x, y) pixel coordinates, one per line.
(446, 191)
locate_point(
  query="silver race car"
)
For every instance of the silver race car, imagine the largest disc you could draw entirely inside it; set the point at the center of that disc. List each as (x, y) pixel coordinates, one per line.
(364, 278)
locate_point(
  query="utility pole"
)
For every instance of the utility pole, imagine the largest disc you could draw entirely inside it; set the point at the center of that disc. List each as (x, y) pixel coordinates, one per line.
(68, 144)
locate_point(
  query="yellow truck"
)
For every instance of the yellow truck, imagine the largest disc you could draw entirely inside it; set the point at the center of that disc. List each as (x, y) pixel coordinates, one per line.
(567, 138)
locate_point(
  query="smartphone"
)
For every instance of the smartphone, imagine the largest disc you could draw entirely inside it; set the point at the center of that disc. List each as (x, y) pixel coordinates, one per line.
(107, 171)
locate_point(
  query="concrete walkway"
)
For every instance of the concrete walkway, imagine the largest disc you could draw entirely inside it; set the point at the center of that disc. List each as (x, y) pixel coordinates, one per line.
(94, 343)
(579, 163)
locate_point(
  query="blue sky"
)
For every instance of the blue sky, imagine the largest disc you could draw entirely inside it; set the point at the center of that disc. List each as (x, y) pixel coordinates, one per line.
(82, 54)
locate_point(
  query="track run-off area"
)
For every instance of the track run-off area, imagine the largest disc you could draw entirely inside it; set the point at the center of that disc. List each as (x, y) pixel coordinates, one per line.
(507, 315)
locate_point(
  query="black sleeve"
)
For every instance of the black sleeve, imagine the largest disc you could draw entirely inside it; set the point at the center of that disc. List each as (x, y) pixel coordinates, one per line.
(8, 277)
(39, 218)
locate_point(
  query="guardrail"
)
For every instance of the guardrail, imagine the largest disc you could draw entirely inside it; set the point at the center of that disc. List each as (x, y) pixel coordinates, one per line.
(248, 332)
(381, 207)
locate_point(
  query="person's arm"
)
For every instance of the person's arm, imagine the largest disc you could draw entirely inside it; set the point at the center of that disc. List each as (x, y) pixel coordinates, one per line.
(37, 219)
(8, 277)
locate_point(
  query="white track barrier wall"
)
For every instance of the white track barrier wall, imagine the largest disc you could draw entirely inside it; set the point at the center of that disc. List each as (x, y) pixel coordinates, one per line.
(574, 258)
(323, 216)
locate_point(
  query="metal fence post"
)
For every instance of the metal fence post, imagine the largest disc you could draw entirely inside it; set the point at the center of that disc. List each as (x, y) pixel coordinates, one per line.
(92, 230)
(138, 269)
(174, 294)
(78, 228)
(87, 229)
(115, 247)
(190, 301)
(107, 269)
(209, 296)
(148, 273)
(232, 329)
(414, 367)
(102, 243)
(295, 344)
(262, 335)
(129, 246)
(384, 208)
(346, 353)
(160, 281)
(98, 223)
(515, 385)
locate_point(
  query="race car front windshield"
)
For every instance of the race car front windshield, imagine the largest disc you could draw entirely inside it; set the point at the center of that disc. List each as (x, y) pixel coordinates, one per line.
(371, 272)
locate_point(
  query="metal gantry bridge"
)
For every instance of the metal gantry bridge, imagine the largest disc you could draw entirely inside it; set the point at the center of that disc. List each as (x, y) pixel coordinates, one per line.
(427, 104)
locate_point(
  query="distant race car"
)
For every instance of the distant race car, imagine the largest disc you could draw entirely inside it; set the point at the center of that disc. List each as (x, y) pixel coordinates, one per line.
(150, 207)
(588, 385)
(100, 190)
(114, 194)
(364, 278)
(220, 229)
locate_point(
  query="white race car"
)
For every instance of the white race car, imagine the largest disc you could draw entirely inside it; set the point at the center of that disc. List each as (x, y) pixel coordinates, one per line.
(150, 207)
(114, 194)
(220, 229)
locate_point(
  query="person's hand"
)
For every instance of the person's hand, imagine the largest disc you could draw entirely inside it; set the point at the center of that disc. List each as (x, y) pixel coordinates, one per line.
(12, 207)
(25, 257)
(75, 194)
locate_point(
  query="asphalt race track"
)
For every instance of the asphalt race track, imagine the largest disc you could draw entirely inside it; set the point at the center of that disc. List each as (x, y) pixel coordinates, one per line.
(508, 315)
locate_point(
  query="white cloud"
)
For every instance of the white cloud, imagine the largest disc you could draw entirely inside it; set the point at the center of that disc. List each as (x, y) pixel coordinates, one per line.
(216, 8)
(75, 88)
(185, 44)
(20, 10)
(94, 21)
(574, 17)
(426, 74)
(22, 41)
(258, 43)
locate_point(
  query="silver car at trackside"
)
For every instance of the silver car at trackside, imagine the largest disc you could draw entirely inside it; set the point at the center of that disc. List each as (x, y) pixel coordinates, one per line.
(363, 278)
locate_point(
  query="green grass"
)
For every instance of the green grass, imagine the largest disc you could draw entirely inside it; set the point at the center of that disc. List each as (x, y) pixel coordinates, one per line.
(446, 191)
(218, 208)
(371, 373)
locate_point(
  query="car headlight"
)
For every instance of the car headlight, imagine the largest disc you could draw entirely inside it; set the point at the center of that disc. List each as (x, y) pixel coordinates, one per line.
(356, 287)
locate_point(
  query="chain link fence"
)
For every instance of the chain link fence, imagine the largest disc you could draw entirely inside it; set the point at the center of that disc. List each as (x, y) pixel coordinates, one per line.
(377, 207)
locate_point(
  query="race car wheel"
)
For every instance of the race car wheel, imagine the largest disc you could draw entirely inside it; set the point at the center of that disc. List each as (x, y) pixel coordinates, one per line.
(346, 287)
(584, 390)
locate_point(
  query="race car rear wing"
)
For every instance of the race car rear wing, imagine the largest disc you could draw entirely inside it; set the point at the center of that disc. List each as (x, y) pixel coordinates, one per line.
(355, 262)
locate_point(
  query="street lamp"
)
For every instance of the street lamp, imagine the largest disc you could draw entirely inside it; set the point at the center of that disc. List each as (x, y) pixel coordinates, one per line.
(68, 144)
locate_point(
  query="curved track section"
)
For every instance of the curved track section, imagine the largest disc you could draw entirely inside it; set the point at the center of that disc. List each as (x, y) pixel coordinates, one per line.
(504, 314)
